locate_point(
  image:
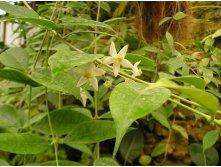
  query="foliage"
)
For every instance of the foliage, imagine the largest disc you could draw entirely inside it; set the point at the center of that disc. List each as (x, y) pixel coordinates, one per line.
(61, 95)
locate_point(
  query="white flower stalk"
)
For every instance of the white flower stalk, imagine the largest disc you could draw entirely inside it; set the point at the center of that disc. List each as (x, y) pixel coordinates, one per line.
(83, 97)
(89, 74)
(136, 71)
(117, 59)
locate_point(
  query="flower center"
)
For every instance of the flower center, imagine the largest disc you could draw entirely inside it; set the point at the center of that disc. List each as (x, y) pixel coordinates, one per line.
(88, 75)
(119, 58)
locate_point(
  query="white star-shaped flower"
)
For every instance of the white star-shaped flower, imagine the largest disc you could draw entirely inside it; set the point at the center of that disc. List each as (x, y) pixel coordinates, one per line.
(136, 71)
(89, 74)
(117, 59)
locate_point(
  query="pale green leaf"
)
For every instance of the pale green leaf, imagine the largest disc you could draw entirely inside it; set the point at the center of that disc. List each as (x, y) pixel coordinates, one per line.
(8, 116)
(63, 81)
(105, 161)
(161, 119)
(4, 163)
(159, 149)
(15, 57)
(130, 101)
(164, 20)
(23, 143)
(179, 16)
(92, 132)
(169, 38)
(217, 34)
(65, 60)
(18, 11)
(181, 130)
(210, 139)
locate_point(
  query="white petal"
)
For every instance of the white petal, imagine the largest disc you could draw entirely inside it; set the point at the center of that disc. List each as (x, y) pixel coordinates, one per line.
(116, 68)
(109, 60)
(136, 64)
(97, 72)
(83, 97)
(81, 81)
(126, 63)
(94, 83)
(123, 51)
(112, 51)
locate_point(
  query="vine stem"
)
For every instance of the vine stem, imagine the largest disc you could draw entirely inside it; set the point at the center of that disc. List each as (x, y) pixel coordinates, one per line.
(124, 75)
(97, 147)
(29, 107)
(54, 139)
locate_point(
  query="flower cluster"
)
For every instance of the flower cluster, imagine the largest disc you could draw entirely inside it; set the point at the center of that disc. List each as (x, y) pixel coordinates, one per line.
(118, 59)
(90, 72)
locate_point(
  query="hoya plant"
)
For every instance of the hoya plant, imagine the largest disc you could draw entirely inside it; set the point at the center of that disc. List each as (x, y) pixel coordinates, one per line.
(77, 83)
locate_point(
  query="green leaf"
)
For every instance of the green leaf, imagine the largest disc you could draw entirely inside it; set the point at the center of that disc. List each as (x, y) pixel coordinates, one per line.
(179, 16)
(17, 76)
(203, 98)
(161, 119)
(66, 60)
(144, 160)
(40, 22)
(209, 158)
(18, 11)
(15, 58)
(105, 6)
(61, 163)
(132, 145)
(212, 157)
(4, 163)
(23, 143)
(105, 161)
(164, 20)
(81, 147)
(193, 80)
(92, 132)
(145, 61)
(159, 149)
(8, 116)
(62, 81)
(216, 34)
(181, 130)
(130, 101)
(169, 38)
(77, 21)
(62, 120)
(210, 139)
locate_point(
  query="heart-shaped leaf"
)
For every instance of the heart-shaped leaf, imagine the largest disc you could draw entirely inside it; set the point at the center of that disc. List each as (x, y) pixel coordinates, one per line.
(130, 101)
